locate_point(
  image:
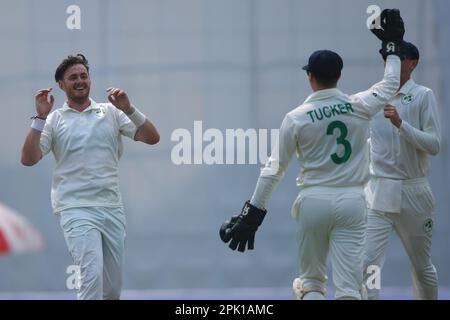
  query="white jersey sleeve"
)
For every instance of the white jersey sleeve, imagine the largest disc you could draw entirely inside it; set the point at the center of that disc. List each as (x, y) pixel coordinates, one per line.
(427, 138)
(375, 98)
(277, 164)
(126, 127)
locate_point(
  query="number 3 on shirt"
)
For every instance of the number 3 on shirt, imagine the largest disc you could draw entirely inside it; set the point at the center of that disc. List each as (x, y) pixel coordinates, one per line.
(340, 140)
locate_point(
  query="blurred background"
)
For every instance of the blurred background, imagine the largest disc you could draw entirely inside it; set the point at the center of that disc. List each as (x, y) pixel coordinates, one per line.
(231, 64)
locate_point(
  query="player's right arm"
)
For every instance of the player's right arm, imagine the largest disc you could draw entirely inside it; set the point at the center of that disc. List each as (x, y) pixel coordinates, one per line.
(375, 98)
(31, 150)
(391, 36)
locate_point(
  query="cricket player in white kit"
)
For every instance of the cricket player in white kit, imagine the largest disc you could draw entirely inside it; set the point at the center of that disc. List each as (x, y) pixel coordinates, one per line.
(398, 193)
(85, 138)
(328, 133)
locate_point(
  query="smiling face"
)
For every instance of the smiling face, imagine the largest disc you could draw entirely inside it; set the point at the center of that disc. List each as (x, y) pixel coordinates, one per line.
(76, 83)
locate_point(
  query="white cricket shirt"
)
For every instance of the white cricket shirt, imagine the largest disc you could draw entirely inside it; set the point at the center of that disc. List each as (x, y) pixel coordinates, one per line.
(87, 147)
(403, 153)
(328, 133)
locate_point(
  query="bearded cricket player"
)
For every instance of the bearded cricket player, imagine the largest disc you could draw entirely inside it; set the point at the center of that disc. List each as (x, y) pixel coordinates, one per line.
(85, 138)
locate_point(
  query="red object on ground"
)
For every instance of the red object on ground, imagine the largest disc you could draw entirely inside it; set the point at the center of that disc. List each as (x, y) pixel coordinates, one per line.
(17, 235)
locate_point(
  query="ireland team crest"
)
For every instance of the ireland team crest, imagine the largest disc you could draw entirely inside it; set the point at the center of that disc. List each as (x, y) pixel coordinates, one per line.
(408, 99)
(100, 112)
(428, 225)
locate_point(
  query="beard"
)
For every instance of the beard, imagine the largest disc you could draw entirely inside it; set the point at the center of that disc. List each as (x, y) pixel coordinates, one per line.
(78, 96)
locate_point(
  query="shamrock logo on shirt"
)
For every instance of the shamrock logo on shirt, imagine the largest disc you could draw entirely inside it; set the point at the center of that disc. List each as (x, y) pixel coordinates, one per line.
(100, 113)
(407, 99)
(428, 225)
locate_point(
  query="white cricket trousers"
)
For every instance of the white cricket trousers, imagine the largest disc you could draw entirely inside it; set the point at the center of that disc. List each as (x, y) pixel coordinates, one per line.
(331, 221)
(95, 237)
(413, 225)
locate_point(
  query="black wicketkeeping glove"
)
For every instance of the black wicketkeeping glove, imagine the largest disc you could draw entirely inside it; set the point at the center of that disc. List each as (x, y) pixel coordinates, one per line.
(241, 229)
(391, 32)
(402, 53)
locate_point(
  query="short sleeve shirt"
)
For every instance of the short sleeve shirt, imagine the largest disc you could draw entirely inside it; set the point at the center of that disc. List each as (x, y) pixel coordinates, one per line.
(87, 147)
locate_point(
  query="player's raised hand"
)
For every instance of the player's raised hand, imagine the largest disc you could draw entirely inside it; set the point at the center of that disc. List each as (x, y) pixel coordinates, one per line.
(390, 31)
(43, 105)
(119, 99)
(391, 26)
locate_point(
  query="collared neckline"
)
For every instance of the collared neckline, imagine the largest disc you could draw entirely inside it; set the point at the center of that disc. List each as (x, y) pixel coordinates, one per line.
(406, 88)
(92, 106)
(323, 94)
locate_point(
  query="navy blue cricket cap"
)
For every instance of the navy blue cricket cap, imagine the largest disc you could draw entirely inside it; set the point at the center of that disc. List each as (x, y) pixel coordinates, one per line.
(409, 51)
(325, 64)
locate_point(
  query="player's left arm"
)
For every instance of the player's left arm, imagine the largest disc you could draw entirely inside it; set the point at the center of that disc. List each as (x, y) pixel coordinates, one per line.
(146, 132)
(240, 229)
(427, 138)
(277, 164)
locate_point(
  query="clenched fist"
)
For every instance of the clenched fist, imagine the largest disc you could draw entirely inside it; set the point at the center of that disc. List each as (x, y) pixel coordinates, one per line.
(391, 113)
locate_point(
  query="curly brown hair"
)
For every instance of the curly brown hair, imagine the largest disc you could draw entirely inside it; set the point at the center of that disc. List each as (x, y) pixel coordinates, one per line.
(68, 62)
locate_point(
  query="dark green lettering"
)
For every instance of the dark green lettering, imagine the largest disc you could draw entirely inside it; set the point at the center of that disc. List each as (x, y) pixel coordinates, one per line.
(349, 107)
(317, 116)
(334, 110)
(325, 113)
(340, 140)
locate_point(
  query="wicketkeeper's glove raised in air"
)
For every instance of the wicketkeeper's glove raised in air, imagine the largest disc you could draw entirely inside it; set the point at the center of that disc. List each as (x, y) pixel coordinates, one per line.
(391, 32)
(241, 229)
